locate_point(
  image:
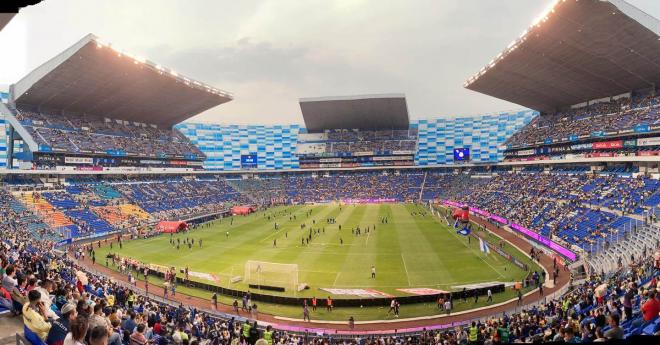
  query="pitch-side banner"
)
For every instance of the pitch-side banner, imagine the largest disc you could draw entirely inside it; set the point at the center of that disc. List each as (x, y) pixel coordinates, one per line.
(358, 292)
(422, 291)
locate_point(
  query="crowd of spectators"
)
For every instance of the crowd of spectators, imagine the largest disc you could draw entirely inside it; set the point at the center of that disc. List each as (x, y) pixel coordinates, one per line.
(79, 134)
(348, 140)
(581, 209)
(62, 303)
(350, 185)
(178, 198)
(617, 115)
(577, 206)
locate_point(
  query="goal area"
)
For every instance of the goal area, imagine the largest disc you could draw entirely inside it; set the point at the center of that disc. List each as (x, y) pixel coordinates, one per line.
(272, 274)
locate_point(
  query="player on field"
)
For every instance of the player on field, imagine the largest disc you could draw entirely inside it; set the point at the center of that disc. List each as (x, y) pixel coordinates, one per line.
(392, 306)
(373, 272)
(306, 312)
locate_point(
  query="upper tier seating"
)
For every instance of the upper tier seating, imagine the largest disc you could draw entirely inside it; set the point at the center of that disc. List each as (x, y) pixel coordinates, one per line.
(78, 134)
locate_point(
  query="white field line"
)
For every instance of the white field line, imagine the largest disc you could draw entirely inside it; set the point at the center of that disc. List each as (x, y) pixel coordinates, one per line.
(406, 269)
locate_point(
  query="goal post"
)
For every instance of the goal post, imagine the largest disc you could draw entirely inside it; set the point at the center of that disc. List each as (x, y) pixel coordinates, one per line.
(272, 274)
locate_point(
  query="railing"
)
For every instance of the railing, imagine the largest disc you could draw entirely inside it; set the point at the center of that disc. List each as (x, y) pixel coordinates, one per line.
(623, 232)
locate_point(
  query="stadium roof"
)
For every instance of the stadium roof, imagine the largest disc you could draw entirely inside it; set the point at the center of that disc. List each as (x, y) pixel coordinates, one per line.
(576, 51)
(91, 77)
(368, 112)
(5, 18)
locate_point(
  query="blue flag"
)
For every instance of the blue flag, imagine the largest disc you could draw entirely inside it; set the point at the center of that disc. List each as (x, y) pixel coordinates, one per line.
(465, 231)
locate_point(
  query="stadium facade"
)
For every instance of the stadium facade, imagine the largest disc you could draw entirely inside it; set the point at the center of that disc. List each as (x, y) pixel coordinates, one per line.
(275, 146)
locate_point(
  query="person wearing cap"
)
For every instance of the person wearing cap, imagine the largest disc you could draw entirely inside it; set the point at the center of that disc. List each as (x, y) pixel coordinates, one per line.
(60, 327)
(35, 315)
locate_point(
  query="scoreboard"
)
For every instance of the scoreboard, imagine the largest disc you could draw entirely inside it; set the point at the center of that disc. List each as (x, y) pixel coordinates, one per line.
(462, 154)
(249, 161)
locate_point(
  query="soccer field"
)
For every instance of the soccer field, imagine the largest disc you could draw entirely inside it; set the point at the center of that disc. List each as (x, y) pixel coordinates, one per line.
(414, 249)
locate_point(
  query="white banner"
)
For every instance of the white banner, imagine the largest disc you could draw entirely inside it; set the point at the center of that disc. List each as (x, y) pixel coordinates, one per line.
(78, 160)
(358, 292)
(655, 141)
(525, 152)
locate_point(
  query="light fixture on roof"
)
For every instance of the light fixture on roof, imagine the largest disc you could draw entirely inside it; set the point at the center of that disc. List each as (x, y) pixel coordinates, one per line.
(173, 72)
(544, 15)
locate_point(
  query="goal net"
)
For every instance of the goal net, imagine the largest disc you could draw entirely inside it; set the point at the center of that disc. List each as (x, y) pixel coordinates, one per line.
(272, 274)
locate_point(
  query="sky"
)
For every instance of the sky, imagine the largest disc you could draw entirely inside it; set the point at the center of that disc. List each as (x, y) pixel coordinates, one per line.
(270, 53)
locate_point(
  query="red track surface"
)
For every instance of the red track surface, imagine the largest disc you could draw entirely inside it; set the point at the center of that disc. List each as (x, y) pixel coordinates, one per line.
(521, 243)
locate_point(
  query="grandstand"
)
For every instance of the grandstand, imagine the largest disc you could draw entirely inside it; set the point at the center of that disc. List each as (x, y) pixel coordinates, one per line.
(570, 187)
(355, 131)
(120, 113)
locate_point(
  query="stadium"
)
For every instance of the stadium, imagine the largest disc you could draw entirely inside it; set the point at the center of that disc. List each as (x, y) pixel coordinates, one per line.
(123, 222)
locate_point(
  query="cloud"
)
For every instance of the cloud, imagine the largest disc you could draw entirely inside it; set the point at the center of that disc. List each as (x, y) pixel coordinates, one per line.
(257, 71)
(272, 52)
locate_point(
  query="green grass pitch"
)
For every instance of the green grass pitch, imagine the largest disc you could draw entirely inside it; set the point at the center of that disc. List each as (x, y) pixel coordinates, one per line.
(411, 250)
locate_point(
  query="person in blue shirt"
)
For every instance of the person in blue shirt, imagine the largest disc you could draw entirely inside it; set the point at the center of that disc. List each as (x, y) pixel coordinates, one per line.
(60, 327)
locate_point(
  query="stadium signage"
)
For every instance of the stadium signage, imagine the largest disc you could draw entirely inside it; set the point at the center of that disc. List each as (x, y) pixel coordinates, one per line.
(528, 152)
(78, 160)
(586, 146)
(151, 161)
(358, 292)
(92, 168)
(601, 154)
(649, 153)
(642, 128)
(422, 291)
(363, 153)
(366, 201)
(330, 160)
(597, 134)
(614, 144)
(655, 141)
(521, 229)
(630, 143)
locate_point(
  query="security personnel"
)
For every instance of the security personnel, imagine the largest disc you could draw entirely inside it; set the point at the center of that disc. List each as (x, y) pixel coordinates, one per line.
(268, 335)
(473, 333)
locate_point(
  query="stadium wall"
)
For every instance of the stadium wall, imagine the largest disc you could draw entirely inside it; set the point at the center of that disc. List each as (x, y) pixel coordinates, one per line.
(3, 142)
(484, 135)
(227, 147)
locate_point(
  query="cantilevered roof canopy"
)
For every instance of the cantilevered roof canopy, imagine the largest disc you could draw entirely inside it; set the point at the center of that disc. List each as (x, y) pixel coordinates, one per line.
(5, 18)
(575, 52)
(368, 112)
(95, 79)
